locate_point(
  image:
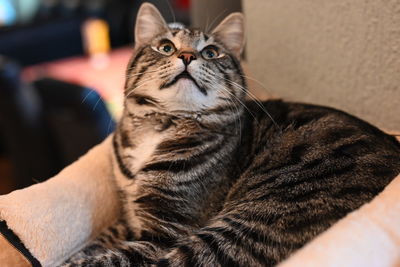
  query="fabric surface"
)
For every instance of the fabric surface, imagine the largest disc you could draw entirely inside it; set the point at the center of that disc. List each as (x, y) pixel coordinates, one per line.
(58, 217)
(12, 244)
(10, 256)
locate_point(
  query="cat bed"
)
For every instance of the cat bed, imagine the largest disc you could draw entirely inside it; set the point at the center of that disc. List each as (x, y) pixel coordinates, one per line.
(46, 223)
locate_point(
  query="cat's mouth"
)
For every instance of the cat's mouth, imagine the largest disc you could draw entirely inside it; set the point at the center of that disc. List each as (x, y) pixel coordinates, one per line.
(184, 75)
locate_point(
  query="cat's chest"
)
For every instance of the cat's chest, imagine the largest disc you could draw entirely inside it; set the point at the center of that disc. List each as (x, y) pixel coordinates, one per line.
(148, 142)
(142, 151)
(129, 158)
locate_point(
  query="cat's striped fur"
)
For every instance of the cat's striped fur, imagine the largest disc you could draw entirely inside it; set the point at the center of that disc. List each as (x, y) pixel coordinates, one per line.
(209, 179)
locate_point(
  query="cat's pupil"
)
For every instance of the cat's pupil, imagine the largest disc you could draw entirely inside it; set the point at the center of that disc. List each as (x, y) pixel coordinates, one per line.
(210, 54)
(167, 48)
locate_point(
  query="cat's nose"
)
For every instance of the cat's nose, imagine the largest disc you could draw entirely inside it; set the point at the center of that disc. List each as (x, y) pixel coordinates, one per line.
(187, 57)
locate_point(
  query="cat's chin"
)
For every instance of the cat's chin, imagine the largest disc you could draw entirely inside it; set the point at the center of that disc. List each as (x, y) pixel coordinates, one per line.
(185, 84)
(186, 90)
(189, 86)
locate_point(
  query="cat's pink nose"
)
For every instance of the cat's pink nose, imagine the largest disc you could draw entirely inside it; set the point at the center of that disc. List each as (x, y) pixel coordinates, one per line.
(187, 57)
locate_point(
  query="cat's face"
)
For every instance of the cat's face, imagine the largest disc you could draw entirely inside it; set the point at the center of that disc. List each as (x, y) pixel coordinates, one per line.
(184, 70)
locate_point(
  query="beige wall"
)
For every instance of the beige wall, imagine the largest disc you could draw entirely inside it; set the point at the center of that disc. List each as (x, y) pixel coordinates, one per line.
(342, 53)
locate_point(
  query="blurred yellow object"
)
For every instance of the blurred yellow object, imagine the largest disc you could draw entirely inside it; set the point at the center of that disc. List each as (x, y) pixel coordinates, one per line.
(96, 37)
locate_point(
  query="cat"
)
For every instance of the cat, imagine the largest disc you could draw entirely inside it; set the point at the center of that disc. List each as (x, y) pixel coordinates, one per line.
(208, 178)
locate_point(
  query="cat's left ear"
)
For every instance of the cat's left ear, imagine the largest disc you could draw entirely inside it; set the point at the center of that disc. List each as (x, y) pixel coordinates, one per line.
(231, 33)
(149, 24)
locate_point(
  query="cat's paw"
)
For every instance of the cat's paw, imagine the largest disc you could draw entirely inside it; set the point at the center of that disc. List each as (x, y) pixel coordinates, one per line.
(109, 259)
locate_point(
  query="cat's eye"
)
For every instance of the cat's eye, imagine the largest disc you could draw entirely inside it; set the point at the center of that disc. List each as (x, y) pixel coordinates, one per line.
(166, 47)
(210, 52)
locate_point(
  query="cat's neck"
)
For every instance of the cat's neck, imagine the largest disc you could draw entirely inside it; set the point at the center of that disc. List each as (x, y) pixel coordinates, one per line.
(212, 120)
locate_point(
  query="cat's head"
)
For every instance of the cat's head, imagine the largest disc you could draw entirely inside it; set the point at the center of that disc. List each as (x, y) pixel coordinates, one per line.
(185, 70)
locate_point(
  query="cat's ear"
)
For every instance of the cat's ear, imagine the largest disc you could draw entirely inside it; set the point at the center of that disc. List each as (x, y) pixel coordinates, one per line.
(149, 23)
(231, 33)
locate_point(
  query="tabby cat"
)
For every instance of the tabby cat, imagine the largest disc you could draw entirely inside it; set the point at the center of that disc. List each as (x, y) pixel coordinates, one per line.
(208, 178)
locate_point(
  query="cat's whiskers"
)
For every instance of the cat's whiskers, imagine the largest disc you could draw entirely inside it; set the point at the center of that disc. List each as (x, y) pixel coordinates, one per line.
(171, 10)
(257, 81)
(238, 119)
(231, 94)
(209, 26)
(257, 101)
(130, 77)
(252, 96)
(169, 73)
(207, 23)
(140, 85)
(87, 95)
(147, 72)
(110, 121)
(236, 107)
(235, 104)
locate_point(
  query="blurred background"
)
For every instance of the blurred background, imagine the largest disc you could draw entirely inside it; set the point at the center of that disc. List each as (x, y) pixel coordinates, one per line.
(62, 67)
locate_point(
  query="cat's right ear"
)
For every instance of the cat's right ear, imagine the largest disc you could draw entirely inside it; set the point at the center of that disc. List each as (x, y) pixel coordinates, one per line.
(149, 24)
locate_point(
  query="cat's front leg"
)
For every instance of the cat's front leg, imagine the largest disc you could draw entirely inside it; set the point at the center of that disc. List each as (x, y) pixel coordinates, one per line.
(124, 254)
(107, 239)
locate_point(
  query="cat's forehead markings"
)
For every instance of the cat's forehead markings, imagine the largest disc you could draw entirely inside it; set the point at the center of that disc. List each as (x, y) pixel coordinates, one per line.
(183, 39)
(177, 41)
(167, 35)
(170, 35)
(203, 41)
(174, 32)
(189, 39)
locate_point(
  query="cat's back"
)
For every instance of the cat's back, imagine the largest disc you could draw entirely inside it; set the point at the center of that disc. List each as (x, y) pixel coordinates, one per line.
(289, 134)
(315, 126)
(298, 153)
